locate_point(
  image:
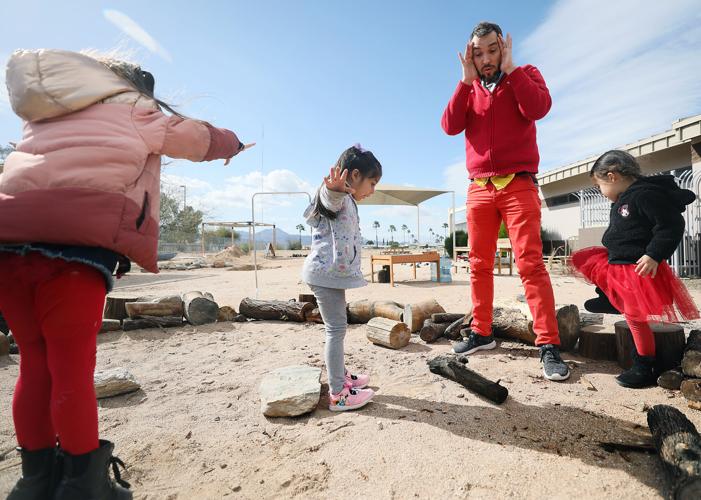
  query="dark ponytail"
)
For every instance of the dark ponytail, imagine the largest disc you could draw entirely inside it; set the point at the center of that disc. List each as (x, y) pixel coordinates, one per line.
(620, 162)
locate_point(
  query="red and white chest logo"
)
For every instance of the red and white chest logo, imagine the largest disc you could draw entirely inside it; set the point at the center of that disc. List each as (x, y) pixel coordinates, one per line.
(623, 210)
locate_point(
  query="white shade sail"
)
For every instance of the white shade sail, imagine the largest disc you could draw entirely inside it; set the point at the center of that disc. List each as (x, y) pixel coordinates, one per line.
(390, 194)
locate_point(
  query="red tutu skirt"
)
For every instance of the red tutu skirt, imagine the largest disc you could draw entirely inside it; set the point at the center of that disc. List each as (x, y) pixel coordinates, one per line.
(662, 298)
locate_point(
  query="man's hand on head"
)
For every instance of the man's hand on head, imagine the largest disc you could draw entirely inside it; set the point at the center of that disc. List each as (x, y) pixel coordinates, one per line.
(507, 63)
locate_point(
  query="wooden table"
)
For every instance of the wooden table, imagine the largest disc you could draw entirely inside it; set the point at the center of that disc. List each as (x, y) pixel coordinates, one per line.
(413, 258)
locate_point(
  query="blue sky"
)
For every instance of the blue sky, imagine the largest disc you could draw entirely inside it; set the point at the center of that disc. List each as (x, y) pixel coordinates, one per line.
(317, 77)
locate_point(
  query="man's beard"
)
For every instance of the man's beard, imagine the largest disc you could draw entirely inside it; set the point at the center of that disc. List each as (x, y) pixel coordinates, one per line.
(493, 78)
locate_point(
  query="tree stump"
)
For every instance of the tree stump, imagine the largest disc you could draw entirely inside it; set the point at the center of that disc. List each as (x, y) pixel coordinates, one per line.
(416, 314)
(597, 342)
(308, 297)
(226, 314)
(431, 331)
(509, 323)
(314, 316)
(691, 389)
(115, 306)
(110, 325)
(161, 306)
(362, 311)
(388, 333)
(275, 310)
(669, 344)
(679, 446)
(569, 324)
(691, 362)
(200, 308)
(450, 368)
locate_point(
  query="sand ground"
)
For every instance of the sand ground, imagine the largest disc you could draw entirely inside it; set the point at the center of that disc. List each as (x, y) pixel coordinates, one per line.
(195, 429)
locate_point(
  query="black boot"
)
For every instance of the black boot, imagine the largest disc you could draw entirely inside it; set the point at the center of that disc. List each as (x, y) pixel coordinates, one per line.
(86, 477)
(601, 304)
(39, 475)
(643, 373)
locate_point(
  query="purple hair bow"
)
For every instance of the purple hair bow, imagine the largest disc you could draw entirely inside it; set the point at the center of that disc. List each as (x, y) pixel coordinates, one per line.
(360, 148)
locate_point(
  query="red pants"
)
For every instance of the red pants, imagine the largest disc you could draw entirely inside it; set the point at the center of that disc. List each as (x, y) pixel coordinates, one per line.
(54, 309)
(518, 205)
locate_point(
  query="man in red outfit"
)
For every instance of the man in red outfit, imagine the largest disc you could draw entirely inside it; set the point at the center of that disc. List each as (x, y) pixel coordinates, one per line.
(496, 105)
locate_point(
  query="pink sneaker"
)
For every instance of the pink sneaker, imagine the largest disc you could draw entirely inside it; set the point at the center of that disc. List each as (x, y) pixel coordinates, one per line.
(357, 381)
(350, 399)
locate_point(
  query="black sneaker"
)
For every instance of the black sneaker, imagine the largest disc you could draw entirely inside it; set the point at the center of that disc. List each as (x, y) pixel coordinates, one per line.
(642, 374)
(601, 304)
(474, 342)
(553, 366)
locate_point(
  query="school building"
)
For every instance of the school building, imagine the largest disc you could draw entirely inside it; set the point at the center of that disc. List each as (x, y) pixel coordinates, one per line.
(575, 214)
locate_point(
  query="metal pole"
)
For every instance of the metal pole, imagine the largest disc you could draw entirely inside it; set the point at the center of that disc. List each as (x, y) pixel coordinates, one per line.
(452, 220)
(203, 239)
(418, 224)
(253, 224)
(184, 196)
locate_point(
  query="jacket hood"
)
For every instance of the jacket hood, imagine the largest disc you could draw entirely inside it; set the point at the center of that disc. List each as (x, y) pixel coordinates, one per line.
(667, 185)
(47, 83)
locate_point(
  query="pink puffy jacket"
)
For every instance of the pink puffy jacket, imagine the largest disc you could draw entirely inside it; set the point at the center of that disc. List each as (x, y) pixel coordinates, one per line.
(87, 171)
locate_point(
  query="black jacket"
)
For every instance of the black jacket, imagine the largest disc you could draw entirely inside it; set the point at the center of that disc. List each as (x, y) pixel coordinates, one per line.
(647, 220)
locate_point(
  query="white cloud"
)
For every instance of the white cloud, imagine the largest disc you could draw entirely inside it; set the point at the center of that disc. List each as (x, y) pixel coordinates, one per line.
(133, 30)
(455, 178)
(176, 181)
(617, 72)
(4, 98)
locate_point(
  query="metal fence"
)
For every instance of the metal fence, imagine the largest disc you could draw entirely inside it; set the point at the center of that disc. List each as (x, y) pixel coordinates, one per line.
(595, 209)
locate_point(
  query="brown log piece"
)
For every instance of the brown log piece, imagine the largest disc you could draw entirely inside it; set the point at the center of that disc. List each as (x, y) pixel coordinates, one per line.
(415, 314)
(171, 305)
(115, 306)
(431, 331)
(362, 311)
(511, 323)
(679, 447)
(308, 297)
(275, 310)
(388, 333)
(446, 317)
(597, 342)
(314, 316)
(110, 325)
(200, 308)
(449, 367)
(693, 343)
(226, 314)
(691, 363)
(669, 344)
(151, 322)
(569, 324)
(671, 379)
(453, 332)
(691, 389)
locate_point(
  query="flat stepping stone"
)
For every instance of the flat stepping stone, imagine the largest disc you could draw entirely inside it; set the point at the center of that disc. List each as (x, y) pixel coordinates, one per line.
(114, 382)
(290, 391)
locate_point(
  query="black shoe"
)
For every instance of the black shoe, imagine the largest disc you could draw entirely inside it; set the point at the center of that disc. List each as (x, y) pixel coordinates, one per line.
(87, 476)
(601, 304)
(643, 373)
(553, 366)
(39, 475)
(474, 342)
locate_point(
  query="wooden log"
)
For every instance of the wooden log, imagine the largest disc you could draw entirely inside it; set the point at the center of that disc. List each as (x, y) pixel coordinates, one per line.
(588, 318)
(679, 446)
(389, 333)
(691, 360)
(151, 322)
(314, 316)
(161, 306)
(511, 323)
(275, 310)
(446, 317)
(569, 324)
(226, 314)
(691, 389)
(416, 314)
(453, 332)
(431, 331)
(362, 311)
(597, 342)
(115, 306)
(449, 367)
(671, 379)
(308, 297)
(669, 344)
(200, 308)
(110, 325)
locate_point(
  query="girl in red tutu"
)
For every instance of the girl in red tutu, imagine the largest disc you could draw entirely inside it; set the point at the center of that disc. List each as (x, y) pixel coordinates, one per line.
(645, 227)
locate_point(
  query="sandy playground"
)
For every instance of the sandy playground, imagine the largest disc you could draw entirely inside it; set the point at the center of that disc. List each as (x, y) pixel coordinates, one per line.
(195, 429)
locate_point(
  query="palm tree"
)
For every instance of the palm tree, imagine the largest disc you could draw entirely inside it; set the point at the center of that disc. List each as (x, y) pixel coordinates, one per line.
(376, 225)
(392, 229)
(405, 228)
(300, 228)
(445, 230)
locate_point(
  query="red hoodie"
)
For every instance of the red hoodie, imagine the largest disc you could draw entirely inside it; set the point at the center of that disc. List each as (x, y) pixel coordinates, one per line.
(500, 133)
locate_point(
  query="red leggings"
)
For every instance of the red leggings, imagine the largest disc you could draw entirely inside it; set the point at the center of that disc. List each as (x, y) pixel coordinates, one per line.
(54, 309)
(643, 337)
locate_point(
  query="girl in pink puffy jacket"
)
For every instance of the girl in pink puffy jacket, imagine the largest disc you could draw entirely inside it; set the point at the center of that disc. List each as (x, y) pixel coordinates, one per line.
(78, 196)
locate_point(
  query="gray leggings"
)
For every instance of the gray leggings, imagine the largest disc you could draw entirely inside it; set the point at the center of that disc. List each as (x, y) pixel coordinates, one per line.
(332, 305)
